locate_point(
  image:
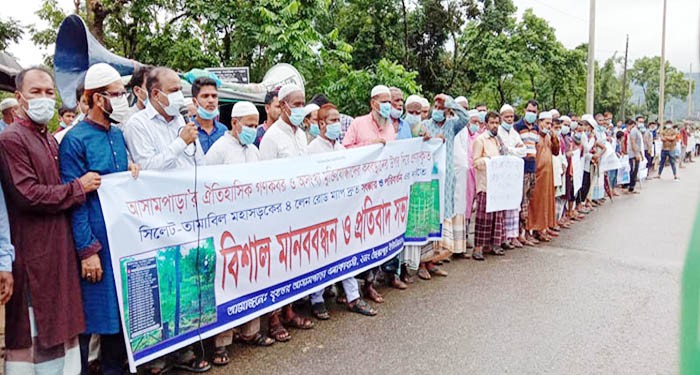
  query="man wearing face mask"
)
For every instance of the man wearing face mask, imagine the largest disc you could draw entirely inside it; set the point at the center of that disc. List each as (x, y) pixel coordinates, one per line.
(205, 98)
(447, 129)
(648, 140)
(95, 144)
(461, 100)
(515, 146)
(311, 121)
(285, 139)
(374, 127)
(235, 147)
(38, 204)
(402, 129)
(158, 137)
(413, 116)
(424, 109)
(529, 134)
(7, 109)
(542, 206)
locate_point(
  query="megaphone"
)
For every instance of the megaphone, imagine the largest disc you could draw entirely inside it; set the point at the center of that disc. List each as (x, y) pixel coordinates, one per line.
(76, 51)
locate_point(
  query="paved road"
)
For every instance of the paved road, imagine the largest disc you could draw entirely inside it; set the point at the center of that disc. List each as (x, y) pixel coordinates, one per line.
(602, 299)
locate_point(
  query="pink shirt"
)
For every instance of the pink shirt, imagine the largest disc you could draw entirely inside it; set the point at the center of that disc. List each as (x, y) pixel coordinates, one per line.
(364, 130)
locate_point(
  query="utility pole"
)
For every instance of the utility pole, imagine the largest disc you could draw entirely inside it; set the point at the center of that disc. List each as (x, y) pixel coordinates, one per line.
(590, 79)
(662, 69)
(624, 81)
(690, 91)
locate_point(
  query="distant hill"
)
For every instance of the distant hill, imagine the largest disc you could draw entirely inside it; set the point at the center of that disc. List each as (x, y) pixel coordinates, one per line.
(675, 109)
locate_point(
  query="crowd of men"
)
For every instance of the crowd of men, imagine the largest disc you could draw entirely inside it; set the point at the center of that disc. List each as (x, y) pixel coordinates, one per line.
(55, 266)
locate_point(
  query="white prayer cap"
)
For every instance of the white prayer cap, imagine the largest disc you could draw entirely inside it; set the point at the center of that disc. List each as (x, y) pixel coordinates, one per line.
(310, 108)
(288, 89)
(8, 103)
(461, 99)
(100, 75)
(565, 118)
(545, 115)
(413, 99)
(554, 112)
(473, 113)
(424, 102)
(589, 119)
(242, 109)
(507, 108)
(380, 89)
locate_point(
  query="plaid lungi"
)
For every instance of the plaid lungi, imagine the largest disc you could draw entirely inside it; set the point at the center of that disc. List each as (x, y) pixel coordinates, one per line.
(490, 226)
(528, 186)
(512, 222)
(447, 241)
(459, 231)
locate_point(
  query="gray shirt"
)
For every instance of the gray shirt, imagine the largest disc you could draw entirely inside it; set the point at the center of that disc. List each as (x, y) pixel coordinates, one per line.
(634, 143)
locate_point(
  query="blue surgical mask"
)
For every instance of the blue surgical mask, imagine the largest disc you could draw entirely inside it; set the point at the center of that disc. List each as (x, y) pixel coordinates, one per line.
(247, 135)
(396, 113)
(412, 119)
(474, 128)
(493, 132)
(557, 132)
(314, 130)
(41, 110)
(530, 117)
(333, 131)
(482, 116)
(546, 131)
(207, 115)
(297, 116)
(506, 126)
(565, 130)
(385, 109)
(438, 115)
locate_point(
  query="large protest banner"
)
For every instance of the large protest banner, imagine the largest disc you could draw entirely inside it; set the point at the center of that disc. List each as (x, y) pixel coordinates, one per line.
(194, 256)
(504, 176)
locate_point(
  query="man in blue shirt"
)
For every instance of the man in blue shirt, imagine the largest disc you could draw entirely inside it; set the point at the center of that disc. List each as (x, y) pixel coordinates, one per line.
(529, 133)
(272, 112)
(205, 98)
(7, 253)
(403, 130)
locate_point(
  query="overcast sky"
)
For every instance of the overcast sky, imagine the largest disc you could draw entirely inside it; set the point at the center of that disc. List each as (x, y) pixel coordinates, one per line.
(641, 19)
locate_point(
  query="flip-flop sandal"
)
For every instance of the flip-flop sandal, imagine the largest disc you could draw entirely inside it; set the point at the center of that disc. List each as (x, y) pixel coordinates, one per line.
(221, 357)
(320, 312)
(196, 365)
(258, 340)
(299, 322)
(437, 271)
(423, 274)
(279, 333)
(362, 307)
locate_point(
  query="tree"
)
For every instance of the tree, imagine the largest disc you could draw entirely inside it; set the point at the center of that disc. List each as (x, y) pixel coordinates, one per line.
(10, 32)
(608, 87)
(645, 73)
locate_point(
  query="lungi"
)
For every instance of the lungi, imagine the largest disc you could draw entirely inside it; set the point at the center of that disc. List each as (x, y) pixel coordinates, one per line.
(528, 186)
(512, 223)
(490, 226)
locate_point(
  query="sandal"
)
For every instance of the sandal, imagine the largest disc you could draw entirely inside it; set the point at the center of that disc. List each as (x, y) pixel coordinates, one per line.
(372, 294)
(299, 322)
(516, 243)
(361, 307)
(195, 365)
(221, 357)
(320, 312)
(435, 270)
(464, 255)
(277, 330)
(257, 340)
(423, 274)
(341, 300)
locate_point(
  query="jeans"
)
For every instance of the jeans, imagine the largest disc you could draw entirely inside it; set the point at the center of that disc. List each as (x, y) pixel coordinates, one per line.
(112, 353)
(667, 154)
(634, 170)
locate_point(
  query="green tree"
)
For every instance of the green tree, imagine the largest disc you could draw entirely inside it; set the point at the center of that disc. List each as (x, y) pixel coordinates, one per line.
(645, 73)
(10, 32)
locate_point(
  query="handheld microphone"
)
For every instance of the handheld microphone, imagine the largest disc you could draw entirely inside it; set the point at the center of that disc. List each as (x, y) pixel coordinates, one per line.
(184, 112)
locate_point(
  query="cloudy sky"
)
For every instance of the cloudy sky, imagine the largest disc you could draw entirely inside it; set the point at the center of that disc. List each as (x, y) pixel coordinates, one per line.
(641, 19)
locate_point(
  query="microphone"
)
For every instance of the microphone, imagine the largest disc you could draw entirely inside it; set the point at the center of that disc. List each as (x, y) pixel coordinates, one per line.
(184, 112)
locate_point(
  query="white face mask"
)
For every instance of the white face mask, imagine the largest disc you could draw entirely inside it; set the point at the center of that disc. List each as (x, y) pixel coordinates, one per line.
(40, 110)
(120, 109)
(176, 100)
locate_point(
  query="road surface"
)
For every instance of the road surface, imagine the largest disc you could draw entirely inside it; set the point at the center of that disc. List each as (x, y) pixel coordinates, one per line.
(601, 299)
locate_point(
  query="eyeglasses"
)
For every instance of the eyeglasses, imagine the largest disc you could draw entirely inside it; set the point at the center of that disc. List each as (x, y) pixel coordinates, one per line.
(115, 95)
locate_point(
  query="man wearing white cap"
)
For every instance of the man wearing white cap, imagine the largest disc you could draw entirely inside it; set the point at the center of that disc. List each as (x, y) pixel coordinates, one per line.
(515, 146)
(374, 127)
(424, 109)
(529, 133)
(311, 121)
(542, 215)
(461, 100)
(7, 108)
(236, 147)
(158, 137)
(439, 125)
(95, 144)
(413, 116)
(403, 131)
(285, 138)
